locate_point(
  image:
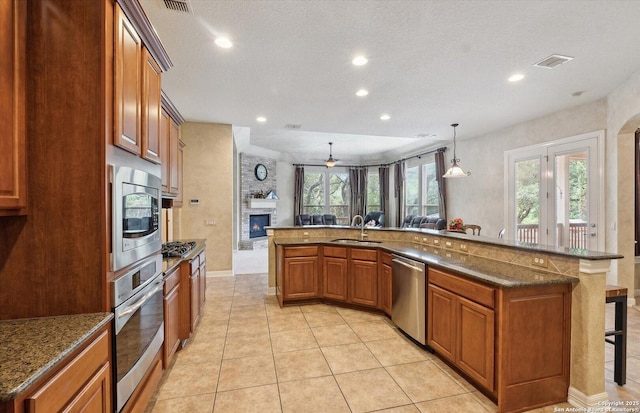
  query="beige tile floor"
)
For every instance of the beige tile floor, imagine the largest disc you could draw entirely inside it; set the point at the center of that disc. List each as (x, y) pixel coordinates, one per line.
(249, 355)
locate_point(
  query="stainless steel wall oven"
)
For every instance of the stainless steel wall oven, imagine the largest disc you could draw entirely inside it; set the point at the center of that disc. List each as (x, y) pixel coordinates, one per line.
(139, 324)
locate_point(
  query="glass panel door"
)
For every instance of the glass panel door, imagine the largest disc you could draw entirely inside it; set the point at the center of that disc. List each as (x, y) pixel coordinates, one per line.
(554, 193)
(527, 198)
(575, 199)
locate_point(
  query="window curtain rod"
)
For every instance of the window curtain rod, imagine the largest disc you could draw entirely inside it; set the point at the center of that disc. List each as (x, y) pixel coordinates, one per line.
(442, 149)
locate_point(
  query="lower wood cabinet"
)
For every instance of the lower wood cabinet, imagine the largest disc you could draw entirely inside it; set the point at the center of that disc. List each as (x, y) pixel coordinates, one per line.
(171, 315)
(300, 273)
(363, 277)
(334, 273)
(385, 283)
(192, 294)
(202, 288)
(528, 329)
(84, 384)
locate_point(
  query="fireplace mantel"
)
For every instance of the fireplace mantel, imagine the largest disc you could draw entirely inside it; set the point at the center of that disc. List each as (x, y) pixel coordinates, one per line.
(262, 203)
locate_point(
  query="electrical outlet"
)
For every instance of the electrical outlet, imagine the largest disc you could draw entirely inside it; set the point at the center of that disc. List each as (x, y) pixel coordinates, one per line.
(539, 261)
(463, 247)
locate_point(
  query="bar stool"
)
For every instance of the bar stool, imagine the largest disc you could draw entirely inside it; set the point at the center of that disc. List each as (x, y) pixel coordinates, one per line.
(618, 295)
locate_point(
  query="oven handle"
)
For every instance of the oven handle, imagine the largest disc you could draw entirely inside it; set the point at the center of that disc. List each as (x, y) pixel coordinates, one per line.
(134, 307)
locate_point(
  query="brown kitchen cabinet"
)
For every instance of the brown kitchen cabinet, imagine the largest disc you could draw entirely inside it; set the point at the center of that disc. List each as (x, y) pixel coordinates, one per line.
(300, 273)
(172, 149)
(13, 162)
(461, 329)
(127, 85)
(363, 276)
(151, 108)
(192, 296)
(470, 323)
(171, 315)
(334, 273)
(137, 93)
(385, 292)
(79, 383)
(202, 290)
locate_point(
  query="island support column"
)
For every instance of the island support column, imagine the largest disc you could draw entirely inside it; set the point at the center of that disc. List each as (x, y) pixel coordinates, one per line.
(587, 335)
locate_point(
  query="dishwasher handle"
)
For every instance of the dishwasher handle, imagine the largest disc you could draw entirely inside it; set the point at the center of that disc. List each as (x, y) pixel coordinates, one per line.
(409, 264)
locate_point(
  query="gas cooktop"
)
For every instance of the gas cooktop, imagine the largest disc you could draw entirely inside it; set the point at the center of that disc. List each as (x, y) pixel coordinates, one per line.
(177, 248)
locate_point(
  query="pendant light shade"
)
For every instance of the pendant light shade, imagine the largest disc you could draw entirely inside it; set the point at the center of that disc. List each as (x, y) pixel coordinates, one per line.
(455, 171)
(330, 163)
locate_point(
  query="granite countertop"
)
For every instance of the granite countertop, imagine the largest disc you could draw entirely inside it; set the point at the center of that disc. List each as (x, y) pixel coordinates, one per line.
(523, 246)
(170, 263)
(498, 273)
(33, 346)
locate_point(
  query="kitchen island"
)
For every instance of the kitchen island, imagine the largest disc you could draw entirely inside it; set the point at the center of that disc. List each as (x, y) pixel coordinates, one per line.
(534, 308)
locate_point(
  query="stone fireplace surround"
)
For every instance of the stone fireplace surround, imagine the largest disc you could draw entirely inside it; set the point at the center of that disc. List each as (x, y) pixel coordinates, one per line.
(249, 186)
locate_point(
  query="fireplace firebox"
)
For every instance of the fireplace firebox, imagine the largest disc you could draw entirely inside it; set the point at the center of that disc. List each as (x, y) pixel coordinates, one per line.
(257, 224)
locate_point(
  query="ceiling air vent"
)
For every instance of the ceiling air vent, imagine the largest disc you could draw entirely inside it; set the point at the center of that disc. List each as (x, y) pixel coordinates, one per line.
(292, 126)
(553, 61)
(178, 5)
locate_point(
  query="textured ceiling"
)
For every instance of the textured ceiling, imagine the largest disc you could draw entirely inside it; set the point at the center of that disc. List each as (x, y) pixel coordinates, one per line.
(431, 63)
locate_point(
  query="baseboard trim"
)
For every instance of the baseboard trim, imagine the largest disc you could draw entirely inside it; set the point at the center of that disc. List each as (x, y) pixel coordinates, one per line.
(578, 399)
(271, 291)
(213, 274)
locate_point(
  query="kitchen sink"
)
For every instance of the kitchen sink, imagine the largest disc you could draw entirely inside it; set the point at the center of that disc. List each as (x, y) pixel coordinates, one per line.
(354, 241)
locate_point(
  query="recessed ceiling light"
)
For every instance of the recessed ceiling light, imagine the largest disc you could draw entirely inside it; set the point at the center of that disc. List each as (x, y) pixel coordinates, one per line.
(517, 77)
(362, 92)
(359, 61)
(261, 119)
(224, 42)
(384, 116)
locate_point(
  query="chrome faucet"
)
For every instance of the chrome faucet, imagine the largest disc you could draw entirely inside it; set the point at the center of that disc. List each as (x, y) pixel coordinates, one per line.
(353, 224)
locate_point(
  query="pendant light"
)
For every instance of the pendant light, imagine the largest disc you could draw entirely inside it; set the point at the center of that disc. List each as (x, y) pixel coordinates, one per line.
(455, 171)
(330, 162)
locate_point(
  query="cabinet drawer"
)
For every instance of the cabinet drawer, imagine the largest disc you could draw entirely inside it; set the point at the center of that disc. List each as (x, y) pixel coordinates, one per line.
(474, 291)
(338, 252)
(58, 391)
(203, 257)
(195, 264)
(364, 254)
(311, 251)
(386, 258)
(171, 280)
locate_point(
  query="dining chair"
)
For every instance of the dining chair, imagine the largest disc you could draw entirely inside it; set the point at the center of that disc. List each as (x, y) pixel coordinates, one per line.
(473, 228)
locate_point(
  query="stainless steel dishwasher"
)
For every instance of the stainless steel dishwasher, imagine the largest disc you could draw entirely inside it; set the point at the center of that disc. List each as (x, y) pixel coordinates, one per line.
(409, 296)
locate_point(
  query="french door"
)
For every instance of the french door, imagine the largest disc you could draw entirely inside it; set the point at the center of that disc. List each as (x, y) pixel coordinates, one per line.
(555, 193)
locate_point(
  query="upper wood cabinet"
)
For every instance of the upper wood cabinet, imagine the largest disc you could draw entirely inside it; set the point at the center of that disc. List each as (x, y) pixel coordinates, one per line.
(151, 108)
(171, 151)
(13, 184)
(127, 87)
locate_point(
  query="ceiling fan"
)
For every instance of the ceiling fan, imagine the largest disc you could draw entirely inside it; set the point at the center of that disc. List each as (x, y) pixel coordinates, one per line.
(330, 163)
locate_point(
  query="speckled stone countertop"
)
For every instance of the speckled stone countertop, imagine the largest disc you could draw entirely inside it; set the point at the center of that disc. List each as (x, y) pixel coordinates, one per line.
(30, 347)
(498, 273)
(170, 263)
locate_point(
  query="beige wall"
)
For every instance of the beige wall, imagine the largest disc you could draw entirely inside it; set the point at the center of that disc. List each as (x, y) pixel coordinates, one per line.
(622, 120)
(208, 177)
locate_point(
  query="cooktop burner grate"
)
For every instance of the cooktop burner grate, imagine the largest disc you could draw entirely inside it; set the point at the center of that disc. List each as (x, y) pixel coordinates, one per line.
(177, 248)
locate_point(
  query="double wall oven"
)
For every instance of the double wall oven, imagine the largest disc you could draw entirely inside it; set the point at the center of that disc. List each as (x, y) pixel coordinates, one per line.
(136, 290)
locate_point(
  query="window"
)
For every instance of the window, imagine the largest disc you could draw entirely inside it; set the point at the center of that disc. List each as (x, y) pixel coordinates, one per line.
(327, 192)
(422, 196)
(373, 190)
